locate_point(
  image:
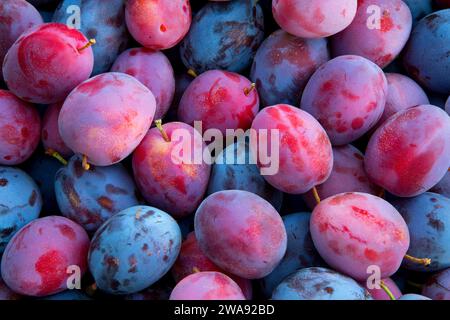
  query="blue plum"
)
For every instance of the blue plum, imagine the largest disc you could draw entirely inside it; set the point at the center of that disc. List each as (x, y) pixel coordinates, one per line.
(134, 249)
(300, 252)
(42, 169)
(68, 295)
(319, 284)
(419, 8)
(224, 36)
(413, 296)
(20, 202)
(428, 220)
(426, 55)
(228, 174)
(90, 197)
(283, 65)
(103, 21)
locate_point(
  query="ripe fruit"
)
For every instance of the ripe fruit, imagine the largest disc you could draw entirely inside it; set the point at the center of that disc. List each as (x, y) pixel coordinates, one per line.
(106, 117)
(47, 62)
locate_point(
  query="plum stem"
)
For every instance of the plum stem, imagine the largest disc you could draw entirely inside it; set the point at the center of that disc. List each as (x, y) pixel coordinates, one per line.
(195, 270)
(316, 194)
(192, 73)
(87, 45)
(424, 261)
(85, 163)
(158, 124)
(56, 155)
(90, 290)
(248, 90)
(386, 289)
(382, 193)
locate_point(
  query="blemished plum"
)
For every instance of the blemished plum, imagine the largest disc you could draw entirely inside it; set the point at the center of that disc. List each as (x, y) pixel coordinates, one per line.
(408, 164)
(426, 56)
(36, 260)
(379, 39)
(413, 296)
(106, 117)
(207, 286)
(6, 293)
(232, 170)
(167, 179)
(443, 186)
(20, 202)
(347, 175)
(51, 139)
(347, 96)
(403, 93)
(283, 65)
(300, 252)
(20, 129)
(153, 69)
(438, 286)
(360, 230)
(380, 294)
(221, 100)
(42, 169)
(319, 284)
(160, 24)
(314, 19)
(305, 155)
(103, 21)
(428, 220)
(191, 260)
(419, 9)
(47, 62)
(224, 36)
(241, 233)
(134, 249)
(91, 197)
(16, 16)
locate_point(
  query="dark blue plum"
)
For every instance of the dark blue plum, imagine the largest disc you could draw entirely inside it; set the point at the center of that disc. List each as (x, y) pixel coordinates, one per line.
(283, 65)
(428, 220)
(227, 174)
(419, 8)
(319, 284)
(134, 249)
(426, 56)
(438, 286)
(20, 202)
(90, 197)
(300, 252)
(224, 36)
(69, 295)
(103, 21)
(42, 169)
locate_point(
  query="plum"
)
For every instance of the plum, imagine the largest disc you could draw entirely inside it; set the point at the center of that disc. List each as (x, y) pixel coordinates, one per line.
(134, 249)
(106, 117)
(20, 129)
(224, 36)
(20, 202)
(91, 197)
(37, 259)
(283, 65)
(165, 180)
(47, 62)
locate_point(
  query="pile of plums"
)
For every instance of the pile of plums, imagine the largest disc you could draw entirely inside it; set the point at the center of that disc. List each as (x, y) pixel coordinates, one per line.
(350, 98)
